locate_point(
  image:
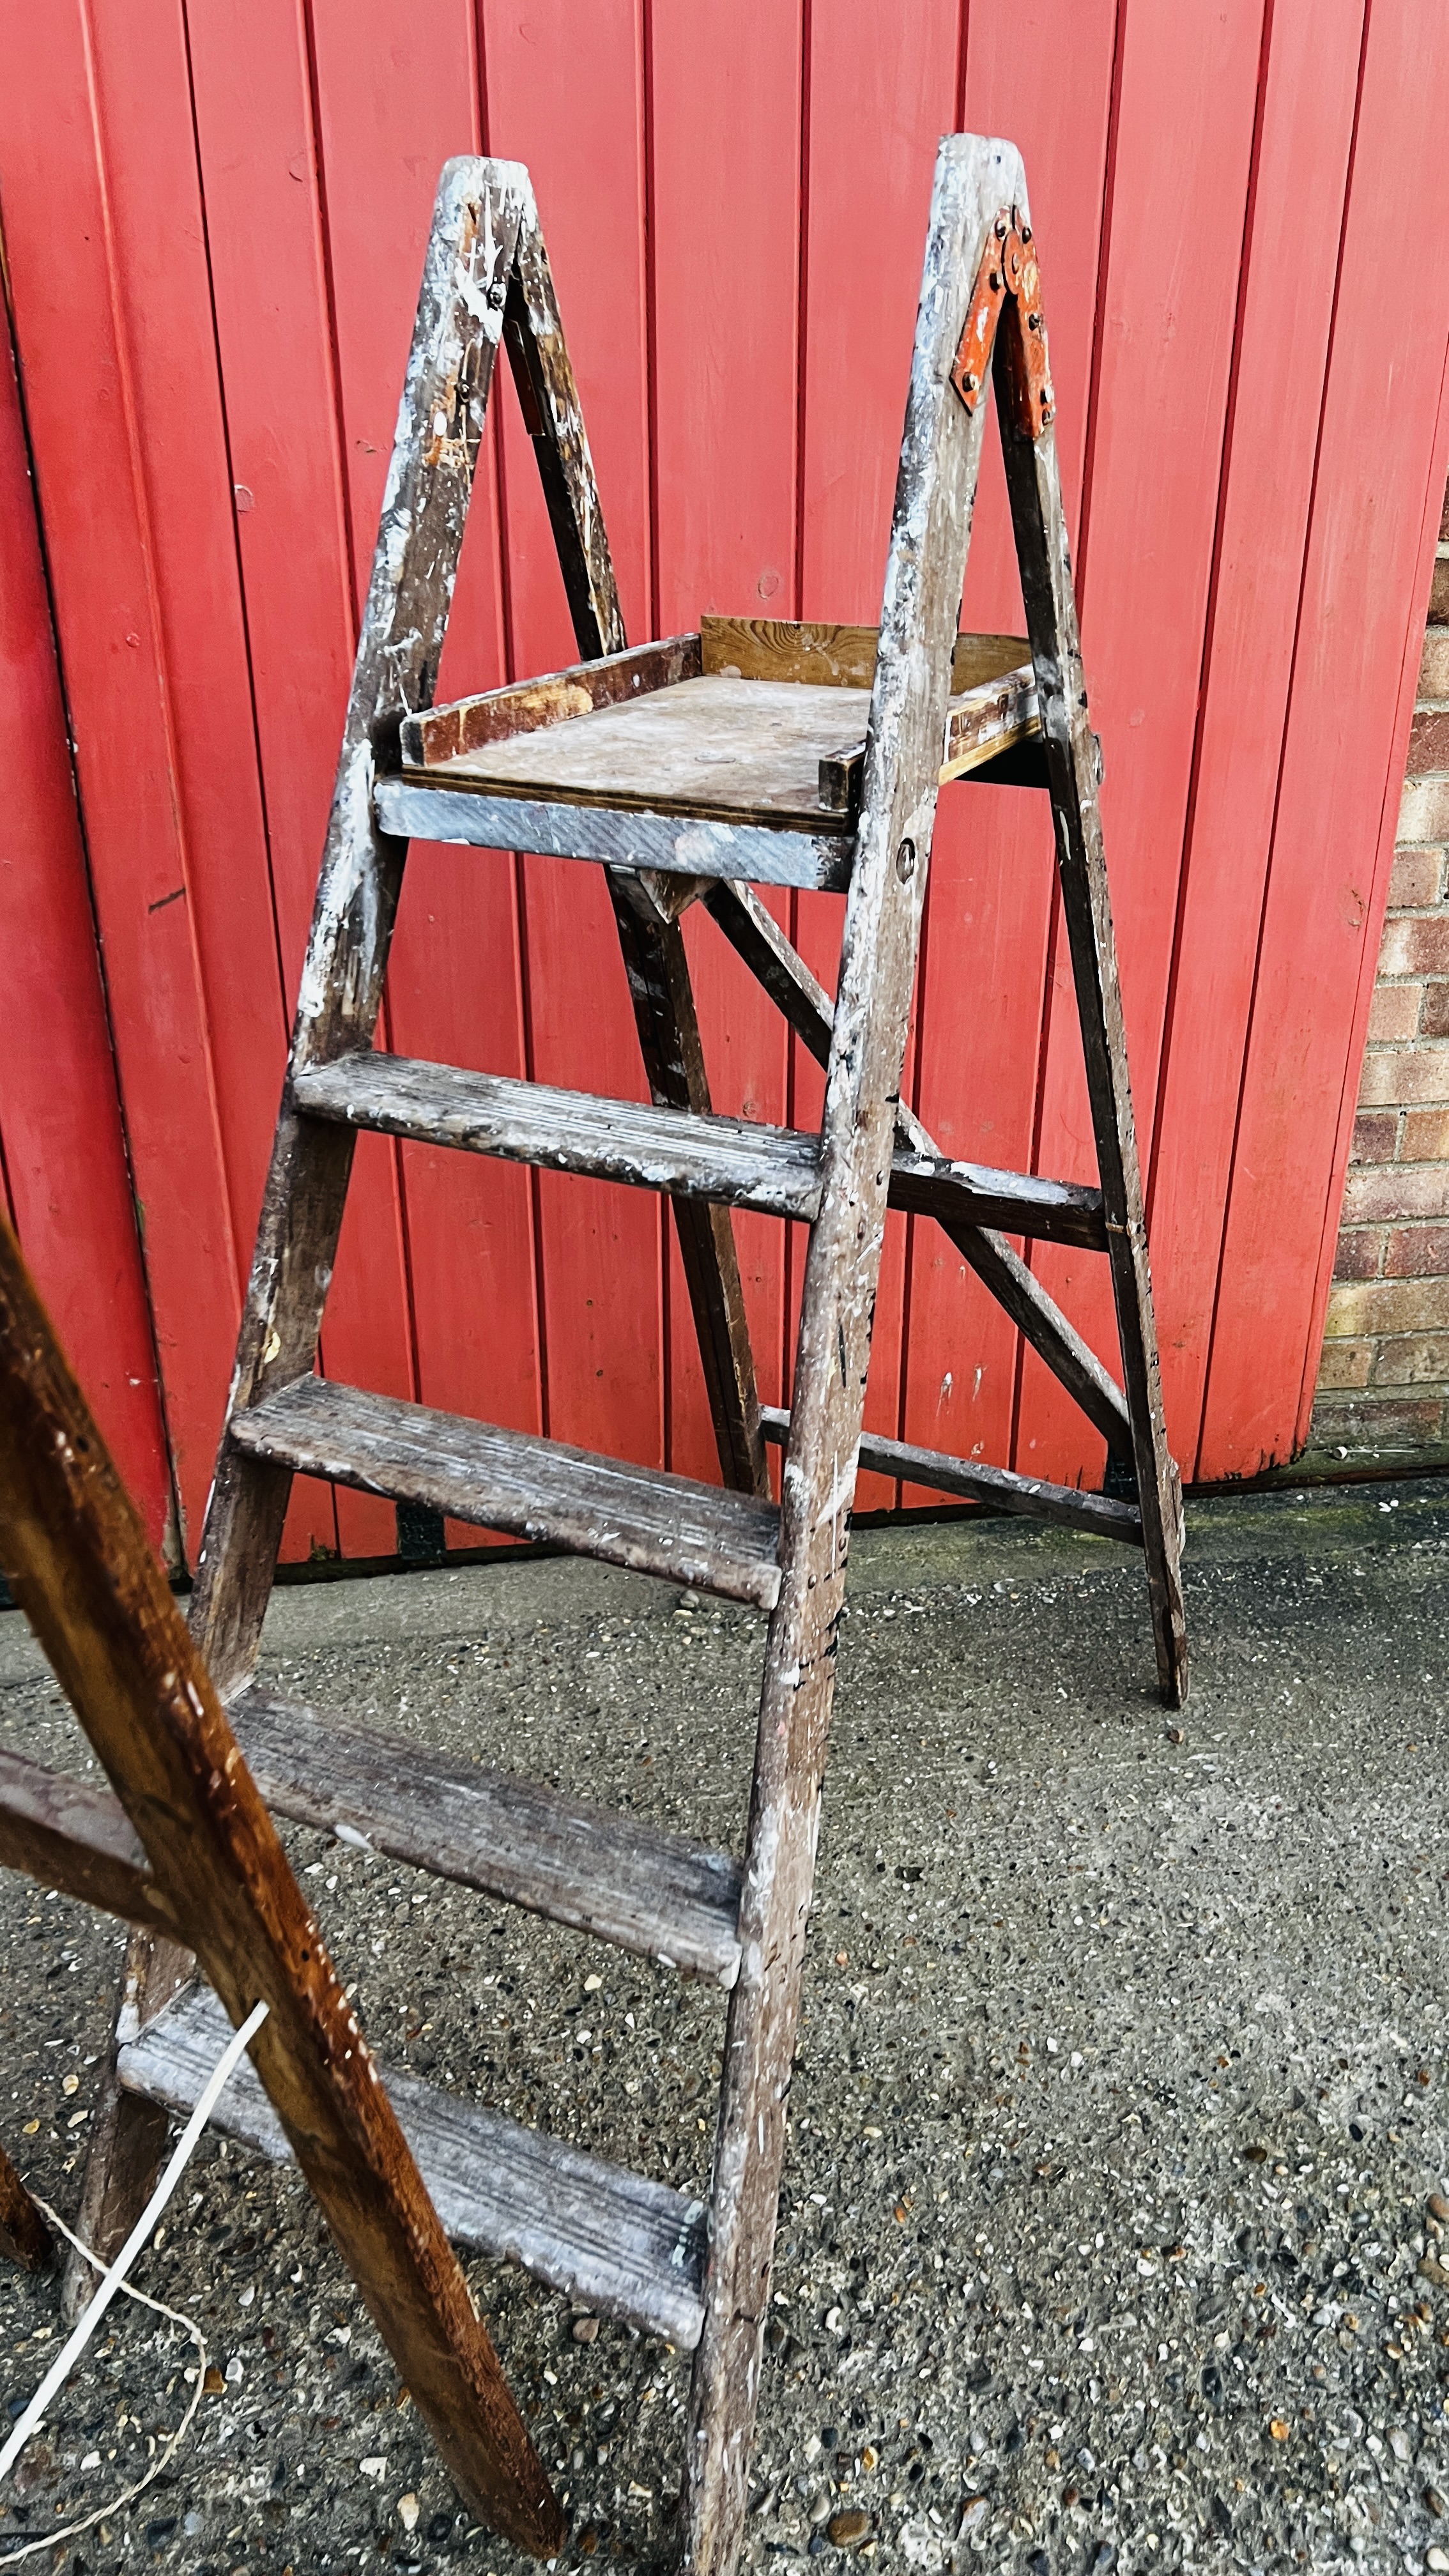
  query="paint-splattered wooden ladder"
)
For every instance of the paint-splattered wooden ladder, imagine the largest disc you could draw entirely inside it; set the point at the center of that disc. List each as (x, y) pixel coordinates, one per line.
(752, 752)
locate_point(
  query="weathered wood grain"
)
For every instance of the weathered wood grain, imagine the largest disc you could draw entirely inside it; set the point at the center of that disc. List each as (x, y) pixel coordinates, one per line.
(757, 938)
(720, 748)
(128, 2137)
(669, 1037)
(543, 373)
(630, 2247)
(972, 1194)
(436, 735)
(78, 1564)
(774, 1171)
(839, 657)
(1039, 520)
(934, 494)
(655, 1893)
(470, 256)
(623, 837)
(604, 1507)
(714, 746)
(65, 1833)
(780, 648)
(1100, 1515)
(24, 2237)
(982, 724)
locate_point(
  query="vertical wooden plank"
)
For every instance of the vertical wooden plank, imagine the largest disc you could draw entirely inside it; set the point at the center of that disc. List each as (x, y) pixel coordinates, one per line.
(565, 95)
(61, 1146)
(164, 265)
(69, 295)
(267, 250)
(872, 147)
(1041, 75)
(725, 239)
(1186, 96)
(1369, 555)
(1306, 113)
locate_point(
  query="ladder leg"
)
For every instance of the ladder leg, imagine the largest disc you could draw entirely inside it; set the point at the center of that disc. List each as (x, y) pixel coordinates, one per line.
(663, 997)
(128, 2135)
(939, 458)
(460, 311)
(1034, 484)
(649, 935)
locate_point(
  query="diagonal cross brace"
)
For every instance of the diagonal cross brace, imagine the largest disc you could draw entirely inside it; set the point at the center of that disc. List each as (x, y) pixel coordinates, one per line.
(759, 941)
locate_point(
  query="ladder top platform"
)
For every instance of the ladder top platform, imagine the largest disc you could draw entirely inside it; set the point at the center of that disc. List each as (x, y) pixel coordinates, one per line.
(756, 721)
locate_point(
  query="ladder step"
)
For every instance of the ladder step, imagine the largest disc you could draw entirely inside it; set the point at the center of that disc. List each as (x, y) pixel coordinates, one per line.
(660, 1894)
(632, 2248)
(774, 1171)
(642, 1517)
(1101, 1514)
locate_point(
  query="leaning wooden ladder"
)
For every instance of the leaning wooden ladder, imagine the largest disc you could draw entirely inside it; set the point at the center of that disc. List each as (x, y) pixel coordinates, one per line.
(779, 754)
(185, 1841)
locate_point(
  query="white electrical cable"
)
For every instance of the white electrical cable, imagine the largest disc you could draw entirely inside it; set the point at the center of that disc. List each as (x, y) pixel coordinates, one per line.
(48, 2540)
(115, 2278)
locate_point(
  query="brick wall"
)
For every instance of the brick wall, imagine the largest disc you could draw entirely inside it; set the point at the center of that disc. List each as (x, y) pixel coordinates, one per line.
(1383, 1385)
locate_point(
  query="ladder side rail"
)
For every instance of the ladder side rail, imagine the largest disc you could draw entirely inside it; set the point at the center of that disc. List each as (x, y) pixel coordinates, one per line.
(934, 498)
(469, 258)
(128, 2136)
(757, 938)
(650, 937)
(1038, 517)
(77, 1559)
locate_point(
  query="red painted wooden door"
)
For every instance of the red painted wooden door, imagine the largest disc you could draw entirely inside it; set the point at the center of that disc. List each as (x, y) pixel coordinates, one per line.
(214, 218)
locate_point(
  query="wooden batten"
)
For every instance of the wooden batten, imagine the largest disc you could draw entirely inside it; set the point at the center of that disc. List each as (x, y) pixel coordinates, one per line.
(658, 1894)
(1099, 1515)
(626, 2246)
(624, 1514)
(438, 734)
(839, 657)
(68, 1834)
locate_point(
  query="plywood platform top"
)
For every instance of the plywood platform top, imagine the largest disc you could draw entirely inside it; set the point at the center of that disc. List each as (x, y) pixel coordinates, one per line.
(715, 746)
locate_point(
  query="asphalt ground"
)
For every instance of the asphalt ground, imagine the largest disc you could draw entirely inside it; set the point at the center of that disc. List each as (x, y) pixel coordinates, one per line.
(1107, 2238)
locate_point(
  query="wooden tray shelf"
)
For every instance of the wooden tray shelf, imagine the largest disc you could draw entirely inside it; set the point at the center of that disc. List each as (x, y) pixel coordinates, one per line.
(754, 721)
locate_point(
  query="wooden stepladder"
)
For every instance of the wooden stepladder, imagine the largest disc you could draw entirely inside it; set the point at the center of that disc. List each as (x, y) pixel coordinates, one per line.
(752, 752)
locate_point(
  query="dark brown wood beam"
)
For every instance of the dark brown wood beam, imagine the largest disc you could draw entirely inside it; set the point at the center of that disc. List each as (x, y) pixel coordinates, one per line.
(77, 1561)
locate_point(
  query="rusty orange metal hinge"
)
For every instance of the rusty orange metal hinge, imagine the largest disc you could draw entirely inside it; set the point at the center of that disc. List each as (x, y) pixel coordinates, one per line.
(1008, 276)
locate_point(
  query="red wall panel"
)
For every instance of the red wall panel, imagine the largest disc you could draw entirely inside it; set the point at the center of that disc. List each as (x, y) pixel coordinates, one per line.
(1251, 440)
(62, 1154)
(1370, 545)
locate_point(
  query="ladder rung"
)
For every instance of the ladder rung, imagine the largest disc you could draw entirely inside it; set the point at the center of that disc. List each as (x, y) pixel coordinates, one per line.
(630, 2247)
(1101, 1514)
(1012, 1202)
(772, 1170)
(641, 1517)
(657, 1893)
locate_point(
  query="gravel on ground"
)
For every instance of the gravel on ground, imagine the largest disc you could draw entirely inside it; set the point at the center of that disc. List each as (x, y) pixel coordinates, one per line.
(1114, 2228)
